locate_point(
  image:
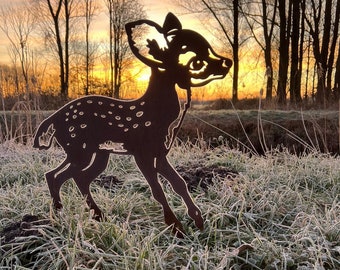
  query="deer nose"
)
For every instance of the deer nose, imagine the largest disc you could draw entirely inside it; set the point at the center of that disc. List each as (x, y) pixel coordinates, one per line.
(227, 63)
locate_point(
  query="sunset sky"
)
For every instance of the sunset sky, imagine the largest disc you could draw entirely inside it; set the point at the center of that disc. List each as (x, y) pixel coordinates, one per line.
(156, 10)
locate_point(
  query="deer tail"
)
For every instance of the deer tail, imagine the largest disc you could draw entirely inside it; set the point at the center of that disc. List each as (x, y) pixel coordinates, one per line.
(43, 137)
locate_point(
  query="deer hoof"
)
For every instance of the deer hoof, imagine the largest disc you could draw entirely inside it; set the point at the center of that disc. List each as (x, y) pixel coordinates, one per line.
(199, 222)
(57, 205)
(99, 217)
(178, 233)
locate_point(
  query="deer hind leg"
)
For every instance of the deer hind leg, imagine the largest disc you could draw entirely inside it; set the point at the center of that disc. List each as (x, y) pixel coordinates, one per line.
(146, 165)
(55, 179)
(180, 187)
(84, 177)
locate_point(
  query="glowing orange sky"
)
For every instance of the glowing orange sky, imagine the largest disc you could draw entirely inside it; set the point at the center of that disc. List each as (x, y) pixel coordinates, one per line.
(250, 79)
(156, 10)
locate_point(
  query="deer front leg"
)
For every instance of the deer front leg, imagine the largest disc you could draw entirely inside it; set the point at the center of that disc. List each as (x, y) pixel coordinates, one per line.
(180, 187)
(146, 166)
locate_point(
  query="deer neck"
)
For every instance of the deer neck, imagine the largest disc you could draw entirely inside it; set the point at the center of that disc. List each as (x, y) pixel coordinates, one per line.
(161, 91)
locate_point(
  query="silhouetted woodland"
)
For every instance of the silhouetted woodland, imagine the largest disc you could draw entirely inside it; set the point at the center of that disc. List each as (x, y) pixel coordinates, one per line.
(53, 48)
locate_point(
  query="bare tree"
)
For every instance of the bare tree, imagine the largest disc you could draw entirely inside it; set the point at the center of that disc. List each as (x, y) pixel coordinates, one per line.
(18, 24)
(263, 15)
(235, 46)
(333, 48)
(55, 12)
(57, 19)
(295, 69)
(285, 25)
(91, 6)
(222, 10)
(323, 27)
(337, 77)
(120, 13)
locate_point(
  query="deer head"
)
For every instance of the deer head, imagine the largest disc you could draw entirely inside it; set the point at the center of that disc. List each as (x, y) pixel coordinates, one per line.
(182, 53)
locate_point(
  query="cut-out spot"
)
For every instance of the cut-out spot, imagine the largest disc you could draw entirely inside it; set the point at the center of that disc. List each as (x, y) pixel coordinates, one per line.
(103, 116)
(71, 128)
(84, 145)
(120, 125)
(89, 101)
(128, 118)
(113, 146)
(95, 114)
(79, 103)
(100, 103)
(132, 108)
(66, 119)
(148, 123)
(74, 116)
(126, 129)
(112, 104)
(109, 112)
(81, 113)
(142, 103)
(110, 123)
(67, 114)
(139, 114)
(120, 106)
(135, 126)
(75, 111)
(118, 117)
(71, 107)
(83, 125)
(73, 135)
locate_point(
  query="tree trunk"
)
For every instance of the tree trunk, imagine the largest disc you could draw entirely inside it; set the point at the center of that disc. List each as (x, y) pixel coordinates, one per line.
(67, 52)
(117, 50)
(267, 49)
(235, 51)
(87, 21)
(332, 51)
(337, 76)
(283, 50)
(322, 92)
(301, 49)
(111, 48)
(295, 96)
(63, 72)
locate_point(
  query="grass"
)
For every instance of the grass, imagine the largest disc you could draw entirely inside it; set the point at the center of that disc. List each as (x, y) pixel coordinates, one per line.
(278, 211)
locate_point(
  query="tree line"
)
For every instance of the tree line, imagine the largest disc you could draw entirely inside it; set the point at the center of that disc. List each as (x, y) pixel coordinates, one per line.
(293, 35)
(298, 41)
(63, 30)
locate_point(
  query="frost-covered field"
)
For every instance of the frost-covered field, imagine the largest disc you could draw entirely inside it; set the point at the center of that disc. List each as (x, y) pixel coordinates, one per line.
(277, 211)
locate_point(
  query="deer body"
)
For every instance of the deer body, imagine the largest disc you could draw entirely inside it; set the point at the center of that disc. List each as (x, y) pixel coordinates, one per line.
(89, 129)
(85, 120)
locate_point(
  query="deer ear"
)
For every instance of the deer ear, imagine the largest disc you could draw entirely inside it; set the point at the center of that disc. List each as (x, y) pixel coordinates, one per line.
(171, 24)
(146, 41)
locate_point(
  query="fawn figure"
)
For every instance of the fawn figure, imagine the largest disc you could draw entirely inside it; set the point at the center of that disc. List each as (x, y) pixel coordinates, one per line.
(89, 129)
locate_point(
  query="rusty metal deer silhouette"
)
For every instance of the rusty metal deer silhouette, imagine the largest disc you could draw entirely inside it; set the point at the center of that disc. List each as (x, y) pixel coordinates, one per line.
(90, 128)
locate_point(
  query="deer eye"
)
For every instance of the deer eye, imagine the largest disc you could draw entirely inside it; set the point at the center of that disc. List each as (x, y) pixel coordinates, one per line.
(197, 64)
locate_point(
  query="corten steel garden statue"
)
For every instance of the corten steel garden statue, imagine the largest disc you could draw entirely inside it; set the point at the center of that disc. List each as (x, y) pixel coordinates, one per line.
(90, 128)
